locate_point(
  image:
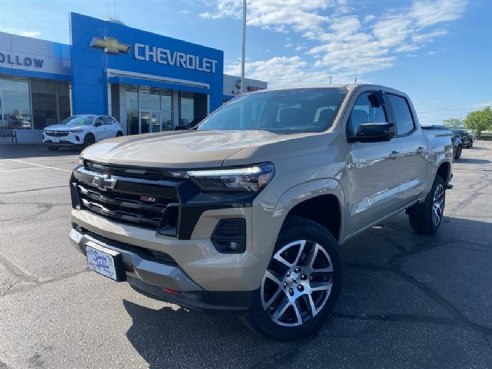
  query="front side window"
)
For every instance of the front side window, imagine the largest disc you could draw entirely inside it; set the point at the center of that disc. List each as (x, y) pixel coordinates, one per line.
(284, 111)
(403, 116)
(367, 109)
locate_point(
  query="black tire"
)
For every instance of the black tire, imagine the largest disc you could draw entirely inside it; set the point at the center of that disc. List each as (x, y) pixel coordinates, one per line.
(459, 150)
(317, 247)
(119, 134)
(89, 139)
(52, 148)
(426, 217)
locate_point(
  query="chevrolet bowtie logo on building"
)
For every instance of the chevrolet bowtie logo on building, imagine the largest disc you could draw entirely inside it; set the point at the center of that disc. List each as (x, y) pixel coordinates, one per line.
(110, 45)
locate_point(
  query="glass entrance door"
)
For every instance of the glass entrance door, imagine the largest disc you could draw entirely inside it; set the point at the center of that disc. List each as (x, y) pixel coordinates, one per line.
(149, 121)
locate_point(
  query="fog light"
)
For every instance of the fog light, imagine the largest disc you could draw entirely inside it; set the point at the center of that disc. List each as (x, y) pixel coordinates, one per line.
(229, 236)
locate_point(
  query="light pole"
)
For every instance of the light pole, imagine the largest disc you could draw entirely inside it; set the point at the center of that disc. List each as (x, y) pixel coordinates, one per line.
(243, 53)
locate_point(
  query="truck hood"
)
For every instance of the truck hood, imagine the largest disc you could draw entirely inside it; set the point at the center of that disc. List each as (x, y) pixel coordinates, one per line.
(180, 149)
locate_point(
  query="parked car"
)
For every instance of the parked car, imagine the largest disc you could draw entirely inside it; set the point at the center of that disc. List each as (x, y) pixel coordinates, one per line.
(464, 136)
(457, 143)
(81, 130)
(247, 212)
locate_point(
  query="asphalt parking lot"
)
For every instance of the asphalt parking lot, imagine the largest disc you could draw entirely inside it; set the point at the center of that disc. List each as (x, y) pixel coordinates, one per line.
(409, 301)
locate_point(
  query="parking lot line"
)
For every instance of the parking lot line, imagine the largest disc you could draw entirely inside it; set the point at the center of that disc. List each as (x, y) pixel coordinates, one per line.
(38, 165)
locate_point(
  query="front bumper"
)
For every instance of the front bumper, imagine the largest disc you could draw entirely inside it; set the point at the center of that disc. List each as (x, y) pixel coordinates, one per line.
(71, 140)
(162, 279)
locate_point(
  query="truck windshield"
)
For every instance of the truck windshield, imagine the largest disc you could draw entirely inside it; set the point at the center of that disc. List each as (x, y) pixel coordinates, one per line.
(283, 111)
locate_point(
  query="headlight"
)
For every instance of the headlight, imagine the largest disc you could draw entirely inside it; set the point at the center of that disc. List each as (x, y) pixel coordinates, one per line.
(251, 179)
(76, 131)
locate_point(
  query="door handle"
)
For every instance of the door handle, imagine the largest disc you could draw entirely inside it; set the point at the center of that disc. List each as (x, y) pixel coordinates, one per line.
(394, 155)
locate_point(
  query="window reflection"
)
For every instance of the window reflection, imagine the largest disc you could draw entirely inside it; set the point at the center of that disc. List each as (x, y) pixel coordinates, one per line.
(16, 108)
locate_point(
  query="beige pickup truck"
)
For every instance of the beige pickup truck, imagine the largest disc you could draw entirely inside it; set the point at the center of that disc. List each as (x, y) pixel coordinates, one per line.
(247, 211)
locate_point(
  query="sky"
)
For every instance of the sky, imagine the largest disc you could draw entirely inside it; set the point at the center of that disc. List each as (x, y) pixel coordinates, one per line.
(437, 51)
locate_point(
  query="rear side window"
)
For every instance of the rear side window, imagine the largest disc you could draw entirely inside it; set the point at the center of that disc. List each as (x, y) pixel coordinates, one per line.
(403, 115)
(108, 120)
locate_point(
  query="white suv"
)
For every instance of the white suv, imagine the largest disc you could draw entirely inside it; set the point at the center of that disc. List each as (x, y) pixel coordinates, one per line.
(81, 130)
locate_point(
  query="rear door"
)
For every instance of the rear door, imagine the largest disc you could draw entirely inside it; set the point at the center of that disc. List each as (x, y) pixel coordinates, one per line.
(98, 128)
(110, 128)
(413, 158)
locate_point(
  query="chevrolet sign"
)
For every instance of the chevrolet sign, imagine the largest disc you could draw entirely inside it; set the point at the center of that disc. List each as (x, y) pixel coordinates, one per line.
(109, 45)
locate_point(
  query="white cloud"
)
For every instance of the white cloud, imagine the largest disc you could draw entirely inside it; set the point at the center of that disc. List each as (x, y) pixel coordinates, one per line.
(340, 42)
(288, 71)
(300, 16)
(184, 11)
(30, 33)
(427, 13)
(483, 105)
(22, 32)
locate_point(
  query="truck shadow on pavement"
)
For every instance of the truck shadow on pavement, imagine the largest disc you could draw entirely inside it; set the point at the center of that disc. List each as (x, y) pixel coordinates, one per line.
(393, 278)
(472, 161)
(22, 151)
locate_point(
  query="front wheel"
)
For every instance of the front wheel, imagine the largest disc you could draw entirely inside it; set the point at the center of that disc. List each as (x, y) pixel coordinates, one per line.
(426, 217)
(89, 139)
(301, 284)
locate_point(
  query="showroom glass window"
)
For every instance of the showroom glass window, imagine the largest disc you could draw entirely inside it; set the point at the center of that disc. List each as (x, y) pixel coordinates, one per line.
(193, 107)
(166, 110)
(186, 107)
(132, 109)
(15, 104)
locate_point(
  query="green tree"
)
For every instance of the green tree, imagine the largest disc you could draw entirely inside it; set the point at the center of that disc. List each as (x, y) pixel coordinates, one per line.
(453, 123)
(479, 121)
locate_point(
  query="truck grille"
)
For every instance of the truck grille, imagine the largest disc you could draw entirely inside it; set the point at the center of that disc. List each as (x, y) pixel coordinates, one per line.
(142, 210)
(125, 171)
(56, 133)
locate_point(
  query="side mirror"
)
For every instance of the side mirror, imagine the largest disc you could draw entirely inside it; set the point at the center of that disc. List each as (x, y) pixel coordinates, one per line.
(374, 132)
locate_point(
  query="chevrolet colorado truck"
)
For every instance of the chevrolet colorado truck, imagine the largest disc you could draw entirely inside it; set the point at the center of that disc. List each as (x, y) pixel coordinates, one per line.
(248, 211)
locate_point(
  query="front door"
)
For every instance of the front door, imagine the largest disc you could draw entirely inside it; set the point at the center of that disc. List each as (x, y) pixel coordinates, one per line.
(372, 167)
(149, 121)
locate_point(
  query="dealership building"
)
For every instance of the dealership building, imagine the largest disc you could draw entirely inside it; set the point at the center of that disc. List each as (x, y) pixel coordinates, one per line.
(146, 81)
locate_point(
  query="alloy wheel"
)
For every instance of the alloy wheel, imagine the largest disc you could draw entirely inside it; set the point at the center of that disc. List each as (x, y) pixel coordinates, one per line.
(438, 205)
(297, 283)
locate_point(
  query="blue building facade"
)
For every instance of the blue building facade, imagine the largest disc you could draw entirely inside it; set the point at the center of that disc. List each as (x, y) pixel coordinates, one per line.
(147, 81)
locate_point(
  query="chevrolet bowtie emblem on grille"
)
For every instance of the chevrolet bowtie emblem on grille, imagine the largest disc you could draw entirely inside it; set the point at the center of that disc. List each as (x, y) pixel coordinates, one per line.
(104, 182)
(110, 45)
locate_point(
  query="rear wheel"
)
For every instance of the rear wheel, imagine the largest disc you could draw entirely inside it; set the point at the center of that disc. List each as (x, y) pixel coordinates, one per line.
(301, 284)
(89, 139)
(119, 134)
(426, 217)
